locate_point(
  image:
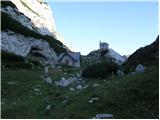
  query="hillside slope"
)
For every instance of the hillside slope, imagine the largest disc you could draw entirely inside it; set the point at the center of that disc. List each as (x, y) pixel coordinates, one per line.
(148, 55)
(124, 97)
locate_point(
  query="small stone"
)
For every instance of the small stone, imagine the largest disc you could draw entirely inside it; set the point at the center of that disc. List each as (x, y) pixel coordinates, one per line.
(103, 116)
(90, 101)
(72, 89)
(78, 75)
(11, 83)
(86, 86)
(46, 69)
(93, 99)
(63, 82)
(48, 80)
(140, 68)
(79, 87)
(95, 85)
(48, 108)
(36, 89)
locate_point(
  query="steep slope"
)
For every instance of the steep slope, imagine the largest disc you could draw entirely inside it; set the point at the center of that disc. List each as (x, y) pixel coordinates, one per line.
(22, 37)
(148, 55)
(41, 16)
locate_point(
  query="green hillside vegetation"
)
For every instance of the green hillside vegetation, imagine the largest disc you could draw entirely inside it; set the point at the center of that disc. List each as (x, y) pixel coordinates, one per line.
(12, 61)
(100, 70)
(8, 23)
(124, 97)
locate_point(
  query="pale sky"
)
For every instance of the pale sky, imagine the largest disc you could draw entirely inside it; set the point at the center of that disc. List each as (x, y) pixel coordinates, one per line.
(125, 26)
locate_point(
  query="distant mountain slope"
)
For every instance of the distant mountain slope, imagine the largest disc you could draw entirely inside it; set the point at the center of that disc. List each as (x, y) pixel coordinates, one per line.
(148, 55)
(110, 54)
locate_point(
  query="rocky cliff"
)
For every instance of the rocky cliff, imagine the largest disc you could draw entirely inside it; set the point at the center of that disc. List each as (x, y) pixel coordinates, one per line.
(29, 30)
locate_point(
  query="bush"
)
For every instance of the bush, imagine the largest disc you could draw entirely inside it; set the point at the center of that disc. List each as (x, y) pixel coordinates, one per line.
(6, 56)
(100, 70)
(10, 60)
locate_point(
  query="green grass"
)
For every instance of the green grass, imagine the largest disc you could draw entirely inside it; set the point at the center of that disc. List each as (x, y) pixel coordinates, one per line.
(124, 97)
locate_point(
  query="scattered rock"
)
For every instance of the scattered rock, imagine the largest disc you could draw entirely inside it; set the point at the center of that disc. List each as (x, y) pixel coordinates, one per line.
(36, 89)
(93, 99)
(11, 83)
(86, 86)
(78, 75)
(48, 108)
(103, 116)
(140, 68)
(63, 82)
(79, 87)
(95, 85)
(72, 89)
(48, 80)
(46, 69)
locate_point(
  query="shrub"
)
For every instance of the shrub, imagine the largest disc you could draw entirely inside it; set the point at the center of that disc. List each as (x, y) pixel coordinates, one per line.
(6, 56)
(10, 60)
(100, 70)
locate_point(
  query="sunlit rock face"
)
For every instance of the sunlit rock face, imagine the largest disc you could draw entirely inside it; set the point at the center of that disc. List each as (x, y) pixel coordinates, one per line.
(40, 14)
(27, 46)
(25, 23)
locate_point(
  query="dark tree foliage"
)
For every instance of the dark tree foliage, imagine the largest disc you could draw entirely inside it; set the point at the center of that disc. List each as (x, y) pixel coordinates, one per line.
(100, 70)
(10, 60)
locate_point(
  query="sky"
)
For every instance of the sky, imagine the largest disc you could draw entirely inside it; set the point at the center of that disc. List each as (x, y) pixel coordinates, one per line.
(125, 26)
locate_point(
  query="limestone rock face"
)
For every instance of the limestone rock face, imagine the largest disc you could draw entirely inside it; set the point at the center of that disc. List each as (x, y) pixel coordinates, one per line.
(23, 46)
(40, 14)
(28, 24)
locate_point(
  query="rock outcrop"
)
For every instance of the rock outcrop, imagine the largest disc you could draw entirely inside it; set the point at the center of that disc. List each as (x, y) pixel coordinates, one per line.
(97, 55)
(29, 30)
(26, 46)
